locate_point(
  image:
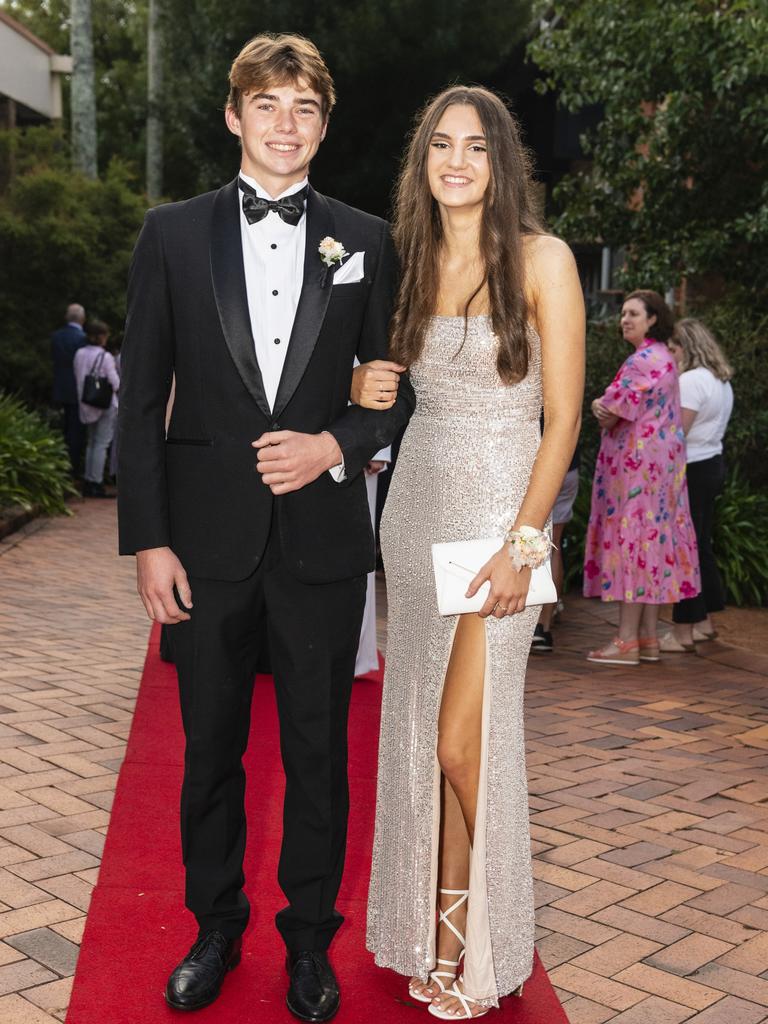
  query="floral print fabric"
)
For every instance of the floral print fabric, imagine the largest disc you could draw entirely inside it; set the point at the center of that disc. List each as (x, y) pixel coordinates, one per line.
(641, 547)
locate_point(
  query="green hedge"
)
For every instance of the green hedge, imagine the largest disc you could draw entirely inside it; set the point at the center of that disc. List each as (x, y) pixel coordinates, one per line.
(63, 238)
(34, 466)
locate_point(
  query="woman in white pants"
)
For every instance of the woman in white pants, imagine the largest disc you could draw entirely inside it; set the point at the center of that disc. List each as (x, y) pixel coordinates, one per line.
(100, 423)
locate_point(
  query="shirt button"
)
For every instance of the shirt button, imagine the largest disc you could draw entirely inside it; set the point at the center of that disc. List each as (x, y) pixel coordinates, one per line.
(277, 341)
(274, 291)
(273, 246)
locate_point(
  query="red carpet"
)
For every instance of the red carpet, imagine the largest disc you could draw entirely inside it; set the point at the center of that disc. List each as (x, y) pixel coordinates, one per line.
(138, 928)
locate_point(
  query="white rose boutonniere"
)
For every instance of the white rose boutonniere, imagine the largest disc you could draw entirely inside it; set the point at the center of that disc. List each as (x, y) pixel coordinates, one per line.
(331, 251)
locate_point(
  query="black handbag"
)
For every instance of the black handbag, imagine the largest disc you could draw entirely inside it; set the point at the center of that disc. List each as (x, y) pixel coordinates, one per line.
(97, 390)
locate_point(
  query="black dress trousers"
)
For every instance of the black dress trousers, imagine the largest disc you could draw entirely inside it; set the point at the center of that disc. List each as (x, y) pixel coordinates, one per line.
(313, 632)
(705, 482)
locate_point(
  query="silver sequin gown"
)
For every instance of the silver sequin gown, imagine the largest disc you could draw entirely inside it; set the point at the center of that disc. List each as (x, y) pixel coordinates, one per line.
(462, 473)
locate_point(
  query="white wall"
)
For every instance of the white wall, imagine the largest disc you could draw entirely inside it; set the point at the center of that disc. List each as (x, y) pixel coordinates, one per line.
(26, 73)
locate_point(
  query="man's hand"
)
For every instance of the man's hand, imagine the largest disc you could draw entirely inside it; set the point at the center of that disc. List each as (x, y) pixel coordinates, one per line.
(289, 461)
(375, 466)
(158, 570)
(375, 384)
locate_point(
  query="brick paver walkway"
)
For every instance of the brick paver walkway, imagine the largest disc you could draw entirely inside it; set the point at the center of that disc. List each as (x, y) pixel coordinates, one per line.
(649, 805)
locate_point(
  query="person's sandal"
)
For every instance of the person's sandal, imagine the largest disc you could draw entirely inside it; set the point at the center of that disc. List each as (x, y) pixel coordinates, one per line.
(669, 644)
(649, 648)
(465, 1013)
(617, 652)
(436, 977)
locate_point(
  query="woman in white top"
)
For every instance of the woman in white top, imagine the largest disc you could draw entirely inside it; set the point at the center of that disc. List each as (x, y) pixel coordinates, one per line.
(706, 398)
(100, 422)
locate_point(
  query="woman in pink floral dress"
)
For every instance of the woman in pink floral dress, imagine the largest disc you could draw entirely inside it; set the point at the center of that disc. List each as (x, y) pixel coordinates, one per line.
(641, 547)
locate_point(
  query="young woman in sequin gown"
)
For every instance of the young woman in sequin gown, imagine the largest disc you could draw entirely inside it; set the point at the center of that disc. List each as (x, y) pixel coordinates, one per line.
(490, 322)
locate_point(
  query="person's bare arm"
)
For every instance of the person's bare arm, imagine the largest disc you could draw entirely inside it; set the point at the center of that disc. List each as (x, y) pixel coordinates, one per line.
(688, 416)
(606, 419)
(375, 384)
(558, 306)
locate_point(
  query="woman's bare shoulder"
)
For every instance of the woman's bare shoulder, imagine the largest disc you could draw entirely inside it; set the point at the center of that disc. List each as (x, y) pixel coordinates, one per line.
(546, 252)
(548, 262)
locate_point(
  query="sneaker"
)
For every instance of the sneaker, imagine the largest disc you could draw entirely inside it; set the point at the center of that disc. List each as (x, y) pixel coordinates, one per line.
(542, 640)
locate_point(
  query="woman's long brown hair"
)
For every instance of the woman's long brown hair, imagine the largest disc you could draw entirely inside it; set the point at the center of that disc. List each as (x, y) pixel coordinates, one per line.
(508, 215)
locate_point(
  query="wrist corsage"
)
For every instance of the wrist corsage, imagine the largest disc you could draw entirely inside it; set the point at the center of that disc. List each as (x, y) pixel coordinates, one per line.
(528, 548)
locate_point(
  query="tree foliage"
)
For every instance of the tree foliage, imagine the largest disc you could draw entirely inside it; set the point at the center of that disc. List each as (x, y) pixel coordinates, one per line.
(119, 29)
(678, 162)
(387, 57)
(63, 238)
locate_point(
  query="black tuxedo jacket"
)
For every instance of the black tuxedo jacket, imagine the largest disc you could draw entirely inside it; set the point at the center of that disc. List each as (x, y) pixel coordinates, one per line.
(197, 490)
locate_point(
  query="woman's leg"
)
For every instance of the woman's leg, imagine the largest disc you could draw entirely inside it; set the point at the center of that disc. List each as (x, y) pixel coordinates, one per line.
(629, 621)
(649, 621)
(99, 437)
(90, 462)
(458, 752)
(453, 873)
(616, 652)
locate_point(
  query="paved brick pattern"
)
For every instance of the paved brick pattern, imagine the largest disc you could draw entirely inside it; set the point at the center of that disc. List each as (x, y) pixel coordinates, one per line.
(72, 641)
(649, 806)
(649, 820)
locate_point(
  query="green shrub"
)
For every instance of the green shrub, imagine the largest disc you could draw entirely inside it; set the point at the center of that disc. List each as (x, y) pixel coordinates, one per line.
(63, 238)
(741, 541)
(34, 466)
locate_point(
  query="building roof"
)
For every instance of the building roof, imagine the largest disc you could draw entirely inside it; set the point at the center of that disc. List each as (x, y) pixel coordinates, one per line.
(23, 31)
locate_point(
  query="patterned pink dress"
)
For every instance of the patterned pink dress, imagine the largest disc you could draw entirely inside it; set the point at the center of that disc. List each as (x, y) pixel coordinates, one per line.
(641, 547)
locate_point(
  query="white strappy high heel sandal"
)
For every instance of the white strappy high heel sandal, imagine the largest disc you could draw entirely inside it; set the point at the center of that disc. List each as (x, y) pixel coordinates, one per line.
(436, 976)
(466, 1012)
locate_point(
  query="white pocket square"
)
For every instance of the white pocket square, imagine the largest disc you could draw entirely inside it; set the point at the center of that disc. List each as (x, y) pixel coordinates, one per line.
(351, 271)
(457, 562)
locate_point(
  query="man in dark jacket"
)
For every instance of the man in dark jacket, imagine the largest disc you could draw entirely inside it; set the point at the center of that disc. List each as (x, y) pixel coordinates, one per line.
(64, 343)
(251, 516)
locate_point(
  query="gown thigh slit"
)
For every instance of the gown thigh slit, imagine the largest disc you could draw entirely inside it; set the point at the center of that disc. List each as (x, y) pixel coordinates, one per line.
(462, 473)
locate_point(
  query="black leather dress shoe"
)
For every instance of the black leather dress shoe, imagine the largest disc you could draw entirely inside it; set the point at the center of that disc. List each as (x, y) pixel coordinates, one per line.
(197, 980)
(313, 993)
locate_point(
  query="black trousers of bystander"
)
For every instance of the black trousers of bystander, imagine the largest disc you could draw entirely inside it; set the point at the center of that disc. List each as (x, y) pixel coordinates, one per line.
(705, 482)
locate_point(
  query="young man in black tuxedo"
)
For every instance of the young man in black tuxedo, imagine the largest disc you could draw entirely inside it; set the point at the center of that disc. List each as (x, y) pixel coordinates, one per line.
(253, 508)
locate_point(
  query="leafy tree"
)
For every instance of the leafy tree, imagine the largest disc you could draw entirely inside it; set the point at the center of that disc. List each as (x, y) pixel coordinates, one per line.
(387, 57)
(119, 29)
(155, 62)
(63, 238)
(678, 163)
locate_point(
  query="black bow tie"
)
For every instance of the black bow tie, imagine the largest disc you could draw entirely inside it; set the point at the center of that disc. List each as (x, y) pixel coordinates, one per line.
(289, 208)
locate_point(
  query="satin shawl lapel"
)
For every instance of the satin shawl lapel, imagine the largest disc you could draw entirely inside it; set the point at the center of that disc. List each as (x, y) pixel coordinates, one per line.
(313, 301)
(228, 276)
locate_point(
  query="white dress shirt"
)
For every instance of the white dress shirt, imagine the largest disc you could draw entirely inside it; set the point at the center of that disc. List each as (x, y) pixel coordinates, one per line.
(273, 260)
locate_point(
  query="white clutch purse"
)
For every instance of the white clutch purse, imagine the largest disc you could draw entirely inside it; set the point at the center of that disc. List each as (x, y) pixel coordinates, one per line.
(456, 563)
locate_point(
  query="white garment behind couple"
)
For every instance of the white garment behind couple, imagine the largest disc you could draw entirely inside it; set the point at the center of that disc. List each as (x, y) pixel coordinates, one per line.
(367, 652)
